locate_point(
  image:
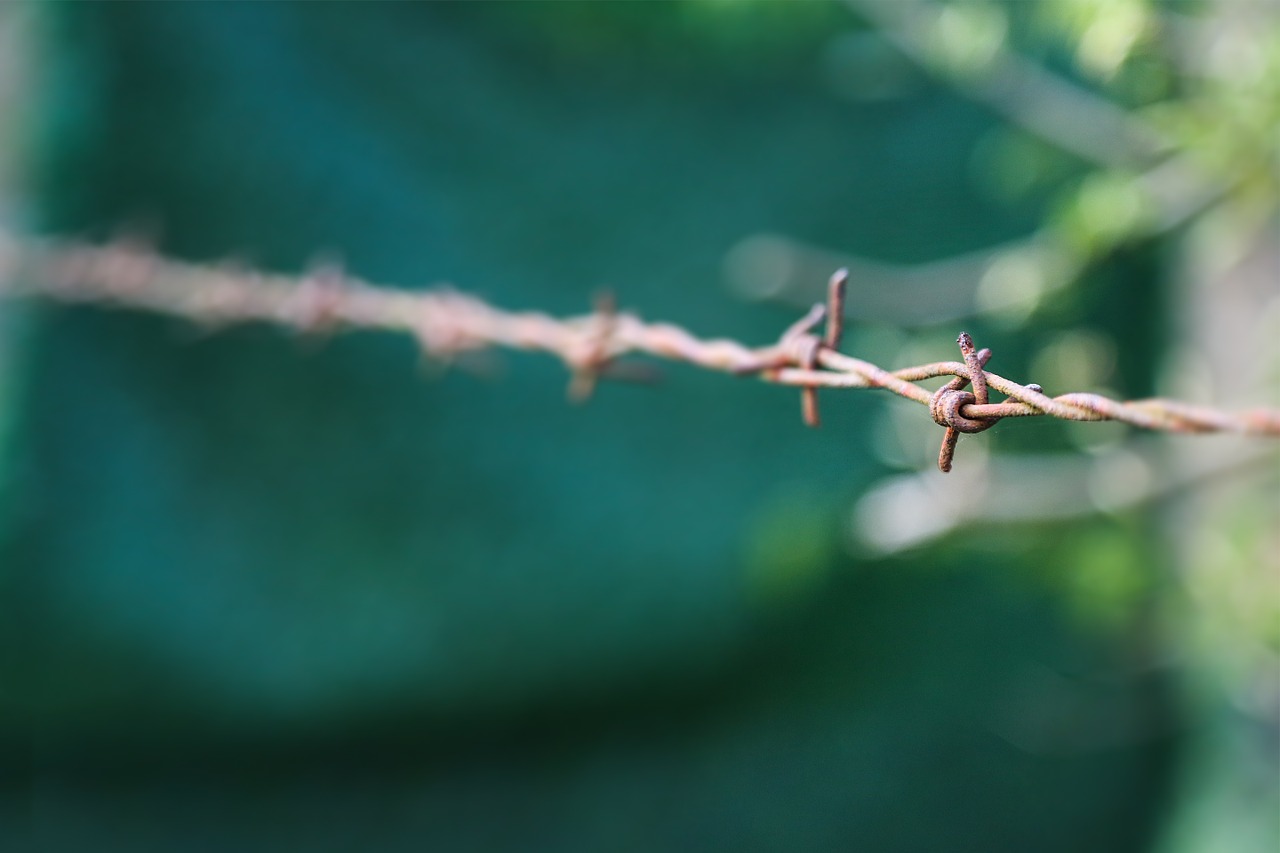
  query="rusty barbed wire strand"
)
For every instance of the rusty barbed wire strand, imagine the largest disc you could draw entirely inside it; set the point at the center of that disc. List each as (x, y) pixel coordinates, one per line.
(446, 323)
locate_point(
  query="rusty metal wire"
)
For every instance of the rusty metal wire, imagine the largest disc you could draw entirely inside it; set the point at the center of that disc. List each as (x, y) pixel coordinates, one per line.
(446, 323)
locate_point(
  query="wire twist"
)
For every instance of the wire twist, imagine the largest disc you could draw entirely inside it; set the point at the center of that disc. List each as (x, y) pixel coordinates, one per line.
(446, 323)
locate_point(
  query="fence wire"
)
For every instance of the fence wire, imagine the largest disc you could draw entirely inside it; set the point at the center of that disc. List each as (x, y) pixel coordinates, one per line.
(446, 323)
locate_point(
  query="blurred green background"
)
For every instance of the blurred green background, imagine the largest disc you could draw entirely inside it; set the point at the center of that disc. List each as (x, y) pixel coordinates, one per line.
(266, 593)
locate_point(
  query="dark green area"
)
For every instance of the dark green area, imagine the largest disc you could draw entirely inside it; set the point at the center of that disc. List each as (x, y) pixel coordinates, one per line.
(262, 594)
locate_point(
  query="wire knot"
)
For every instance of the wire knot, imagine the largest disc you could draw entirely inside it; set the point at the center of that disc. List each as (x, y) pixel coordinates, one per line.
(947, 402)
(590, 364)
(317, 301)
(801, 347)
(946, 405)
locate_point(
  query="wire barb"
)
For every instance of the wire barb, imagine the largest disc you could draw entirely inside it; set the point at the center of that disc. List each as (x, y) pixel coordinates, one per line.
(946, 402)
(807, 346)
(447, 323)
(588, 367)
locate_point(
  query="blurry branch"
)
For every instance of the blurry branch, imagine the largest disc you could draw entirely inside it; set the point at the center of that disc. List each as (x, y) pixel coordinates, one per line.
(1152, 173)
(1200, 44)
(967, 44)
(909, 510)
(446, 323)
(1009, 279)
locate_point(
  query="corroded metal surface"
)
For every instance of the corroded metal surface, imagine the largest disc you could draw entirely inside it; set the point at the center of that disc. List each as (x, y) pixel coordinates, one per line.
(447, 322)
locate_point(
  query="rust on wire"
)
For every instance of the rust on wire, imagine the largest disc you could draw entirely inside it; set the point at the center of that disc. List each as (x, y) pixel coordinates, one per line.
(447, 323)
(947, 401)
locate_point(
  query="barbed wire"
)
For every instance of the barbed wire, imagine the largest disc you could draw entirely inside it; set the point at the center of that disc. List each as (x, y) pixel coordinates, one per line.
(446, 323)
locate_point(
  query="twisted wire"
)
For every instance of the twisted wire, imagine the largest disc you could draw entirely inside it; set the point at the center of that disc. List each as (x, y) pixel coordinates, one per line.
(446, 322)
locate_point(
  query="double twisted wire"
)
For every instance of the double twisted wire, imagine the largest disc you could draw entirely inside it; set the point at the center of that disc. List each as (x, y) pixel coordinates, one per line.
(446, 323)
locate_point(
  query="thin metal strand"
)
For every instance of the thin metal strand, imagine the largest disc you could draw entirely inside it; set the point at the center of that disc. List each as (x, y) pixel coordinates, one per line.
(446, 322)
